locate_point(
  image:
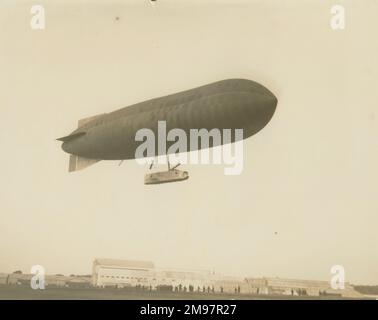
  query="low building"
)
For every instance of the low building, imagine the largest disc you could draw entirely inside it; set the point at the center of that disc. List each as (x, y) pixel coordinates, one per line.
(229, 284)
(57, 281)
(79, 282)
(4, 277)
(295, 287)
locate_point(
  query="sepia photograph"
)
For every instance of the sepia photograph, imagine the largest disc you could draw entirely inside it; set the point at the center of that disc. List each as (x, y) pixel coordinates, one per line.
(161, 150)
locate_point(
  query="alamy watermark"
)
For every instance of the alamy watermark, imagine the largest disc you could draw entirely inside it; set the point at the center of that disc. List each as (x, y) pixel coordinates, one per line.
(38, 279)
(37, 21)
(338, 278)
(337, 21)
(185, 149)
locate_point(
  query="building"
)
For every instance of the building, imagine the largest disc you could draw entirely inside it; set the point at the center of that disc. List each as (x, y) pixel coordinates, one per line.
(130, 273)
(4, 277)
(121, 273)
(19, 279)
(143, 274)
(295, 287)
(229, 284)
(52, 281)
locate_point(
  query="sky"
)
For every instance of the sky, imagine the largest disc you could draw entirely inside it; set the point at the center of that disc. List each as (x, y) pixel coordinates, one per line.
(307, 197)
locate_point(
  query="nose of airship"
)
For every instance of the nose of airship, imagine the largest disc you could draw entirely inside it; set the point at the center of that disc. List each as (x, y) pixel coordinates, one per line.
(269, 98)
(267, 103)
(261, 106)
(272, 103)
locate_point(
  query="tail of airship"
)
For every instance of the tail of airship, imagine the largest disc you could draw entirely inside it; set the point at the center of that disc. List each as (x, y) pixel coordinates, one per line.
(79, 163)
(76, 162)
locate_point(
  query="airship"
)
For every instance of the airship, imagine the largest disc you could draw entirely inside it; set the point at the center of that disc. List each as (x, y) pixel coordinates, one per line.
(226, 104)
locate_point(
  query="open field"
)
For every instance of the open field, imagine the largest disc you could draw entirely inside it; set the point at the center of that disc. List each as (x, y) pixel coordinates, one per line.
(26, 293)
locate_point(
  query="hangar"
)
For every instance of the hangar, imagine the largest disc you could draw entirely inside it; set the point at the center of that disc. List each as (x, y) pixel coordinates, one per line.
(121, 273)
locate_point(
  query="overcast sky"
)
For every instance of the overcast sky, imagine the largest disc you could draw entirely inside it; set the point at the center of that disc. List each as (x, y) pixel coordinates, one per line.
(307, 198)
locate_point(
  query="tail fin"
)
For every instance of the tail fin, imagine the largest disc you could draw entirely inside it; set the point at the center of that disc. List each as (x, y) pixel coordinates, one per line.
(84, 121)
(80, 123)
(71, 136)
(79, 163)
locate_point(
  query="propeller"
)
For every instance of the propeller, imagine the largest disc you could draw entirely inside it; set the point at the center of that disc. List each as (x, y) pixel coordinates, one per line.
(152, 163)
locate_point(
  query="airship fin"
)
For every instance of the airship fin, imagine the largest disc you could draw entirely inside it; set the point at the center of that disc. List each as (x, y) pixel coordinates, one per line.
(84, 121)
(79, 163)
(71, 136)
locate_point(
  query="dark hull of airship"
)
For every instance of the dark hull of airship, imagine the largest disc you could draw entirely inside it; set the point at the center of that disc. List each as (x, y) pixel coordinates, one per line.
(227, 104)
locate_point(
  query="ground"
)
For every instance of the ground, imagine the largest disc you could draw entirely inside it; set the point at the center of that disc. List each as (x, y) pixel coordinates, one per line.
(26, 293)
